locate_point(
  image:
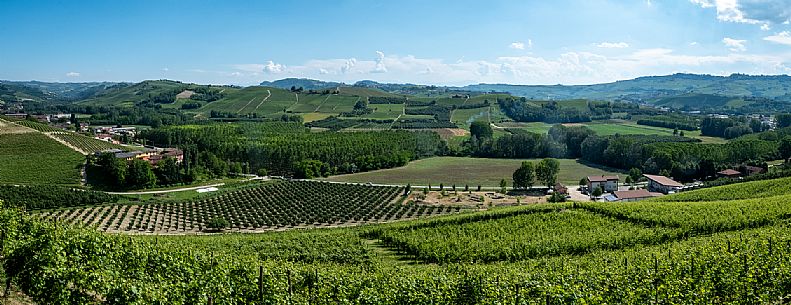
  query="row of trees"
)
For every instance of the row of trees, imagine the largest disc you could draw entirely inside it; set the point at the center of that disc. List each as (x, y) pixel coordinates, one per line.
(545, 171)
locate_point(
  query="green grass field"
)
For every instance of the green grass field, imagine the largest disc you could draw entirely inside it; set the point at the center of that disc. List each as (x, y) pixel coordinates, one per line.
(461, 171)
(464, 117)
(33, 158)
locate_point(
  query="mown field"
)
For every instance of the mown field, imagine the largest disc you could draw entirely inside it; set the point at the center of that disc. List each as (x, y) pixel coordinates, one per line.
(651, 252)
(465, 171)
(34, 158)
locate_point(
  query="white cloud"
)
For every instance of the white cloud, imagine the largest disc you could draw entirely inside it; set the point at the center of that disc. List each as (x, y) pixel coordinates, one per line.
(566, 68)
(165, 69)
(765, 27)
(348, 65)
(73, 74)
(272, 67)
(781, 38)
(694, 43)
(380, 63)
(763, 12)
(735, 45)
(612, 45)
(518, 45)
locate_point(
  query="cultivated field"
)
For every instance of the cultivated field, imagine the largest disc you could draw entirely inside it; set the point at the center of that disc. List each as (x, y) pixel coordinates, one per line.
(86, 144)
(465, 171)
(272, 206)
(34, 158)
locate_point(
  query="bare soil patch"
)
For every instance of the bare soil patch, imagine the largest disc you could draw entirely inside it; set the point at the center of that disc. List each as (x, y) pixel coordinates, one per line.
(446, 133)
(185, 94)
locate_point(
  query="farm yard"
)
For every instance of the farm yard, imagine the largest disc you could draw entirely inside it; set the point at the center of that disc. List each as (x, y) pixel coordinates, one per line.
(465, 171)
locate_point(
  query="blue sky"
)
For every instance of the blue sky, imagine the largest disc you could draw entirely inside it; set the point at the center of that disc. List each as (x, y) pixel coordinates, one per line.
(428, 42)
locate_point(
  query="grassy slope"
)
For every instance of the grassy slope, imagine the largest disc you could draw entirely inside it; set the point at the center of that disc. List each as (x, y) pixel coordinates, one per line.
(461, 171)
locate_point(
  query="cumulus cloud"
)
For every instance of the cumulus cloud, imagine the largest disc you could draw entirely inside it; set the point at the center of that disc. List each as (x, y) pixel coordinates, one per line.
(763, 12)
(73, 74)
(272, 67)
(380, 63)
(735, 45)
(612, 45)
(348, 65)
(781, 38)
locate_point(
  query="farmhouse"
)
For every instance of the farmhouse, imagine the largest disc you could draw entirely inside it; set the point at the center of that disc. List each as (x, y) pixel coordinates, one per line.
(632, 195)
(662, 184)
(750, 170)
(606, 183)
(729, 173)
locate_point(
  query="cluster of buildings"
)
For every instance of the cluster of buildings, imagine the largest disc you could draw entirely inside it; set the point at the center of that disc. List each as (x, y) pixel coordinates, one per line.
(657, 186)
(152, 155)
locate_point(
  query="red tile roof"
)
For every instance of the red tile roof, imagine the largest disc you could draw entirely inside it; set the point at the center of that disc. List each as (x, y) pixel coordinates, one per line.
(663, 180)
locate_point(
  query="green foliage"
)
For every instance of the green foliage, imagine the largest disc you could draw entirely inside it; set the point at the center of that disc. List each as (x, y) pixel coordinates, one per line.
(481, 130)
(309, 169)
(736, 191)
(139, 175)
(528, 233)
(34, 158)
(700, 217)
(86, 144)
(217, 223)
(279, 153)
(547, 171)
(49, 196)
(524, 176)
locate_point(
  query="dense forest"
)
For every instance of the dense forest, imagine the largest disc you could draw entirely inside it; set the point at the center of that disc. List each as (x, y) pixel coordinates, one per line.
(280, 152)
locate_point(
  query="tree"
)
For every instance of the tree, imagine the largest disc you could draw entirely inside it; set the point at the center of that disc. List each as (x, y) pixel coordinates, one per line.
(217, 223)
(481, 130)
(783, 120)
(262, 172)
(524, 176)
(681, 133)
(629, 180)
(407, 189)
(140, 175)
(635, 174)
(785, 147)
(308, 169)
(597, 192)
(168, 172)
(547, 171)
(584, 181)
(503, 186)
(557, 197)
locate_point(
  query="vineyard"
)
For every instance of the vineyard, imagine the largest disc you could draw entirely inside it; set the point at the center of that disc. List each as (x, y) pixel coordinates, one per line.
(37, 126)
(34, 158)
(649, 252)
(86, 144)
(272, 206)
